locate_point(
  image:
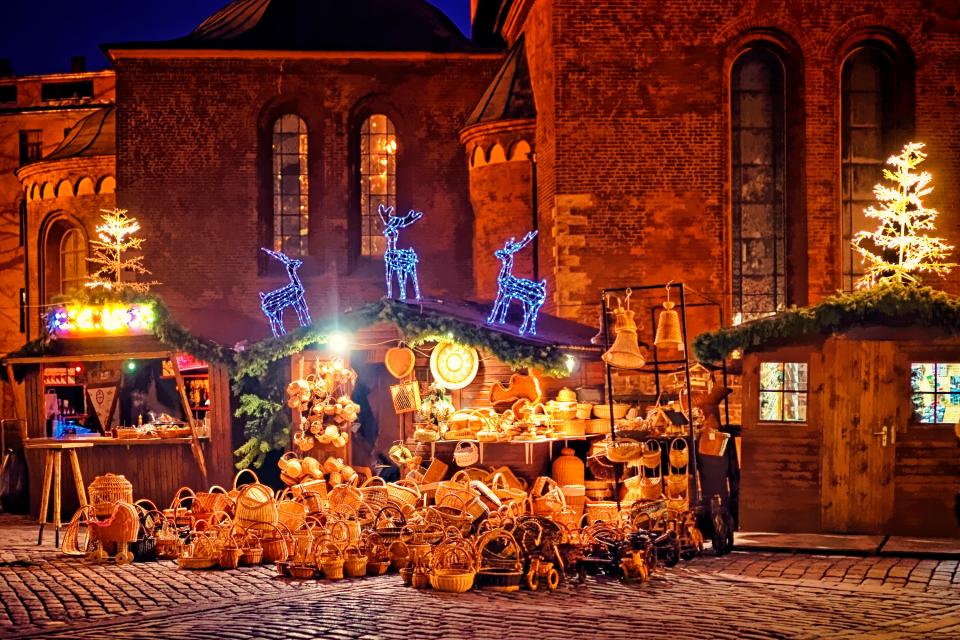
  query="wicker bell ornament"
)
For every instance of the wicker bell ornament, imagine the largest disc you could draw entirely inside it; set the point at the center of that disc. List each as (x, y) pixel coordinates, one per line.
(669, 334)
(625, 351)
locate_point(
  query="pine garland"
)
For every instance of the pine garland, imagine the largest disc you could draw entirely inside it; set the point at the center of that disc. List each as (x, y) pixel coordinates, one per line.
(891, 305)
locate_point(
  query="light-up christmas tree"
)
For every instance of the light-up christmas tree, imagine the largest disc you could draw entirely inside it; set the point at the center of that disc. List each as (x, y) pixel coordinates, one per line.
(899, 250)
(111, 254)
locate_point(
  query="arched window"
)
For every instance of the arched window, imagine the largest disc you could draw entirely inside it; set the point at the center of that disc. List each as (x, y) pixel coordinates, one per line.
(758, 184)
(73, 261)
(868, 118)
(378, 179)
(291, 209)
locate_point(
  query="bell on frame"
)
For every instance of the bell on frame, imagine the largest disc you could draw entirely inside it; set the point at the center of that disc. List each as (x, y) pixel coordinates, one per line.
(669, 335)
(625, 351)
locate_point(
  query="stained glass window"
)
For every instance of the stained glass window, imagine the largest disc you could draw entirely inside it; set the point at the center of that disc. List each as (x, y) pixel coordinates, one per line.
(759, 210)
(783, 391)
(936, 392)
(291, 214)
(378, 179)
(866, 105)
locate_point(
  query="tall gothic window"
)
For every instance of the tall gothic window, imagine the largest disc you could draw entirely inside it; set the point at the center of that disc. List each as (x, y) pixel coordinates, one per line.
(73, 261)
(378, 179)
(867, 127)
(759, 211)
(291, 211)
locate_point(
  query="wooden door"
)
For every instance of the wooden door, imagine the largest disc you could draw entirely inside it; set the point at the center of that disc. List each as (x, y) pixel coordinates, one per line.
(863, 394)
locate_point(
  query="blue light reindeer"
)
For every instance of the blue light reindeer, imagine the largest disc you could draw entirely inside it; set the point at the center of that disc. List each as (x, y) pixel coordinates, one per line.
(402, 262)
(531, 294)
(274, 302)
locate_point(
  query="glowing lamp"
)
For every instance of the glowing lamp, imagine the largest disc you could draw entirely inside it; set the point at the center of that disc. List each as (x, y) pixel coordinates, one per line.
(338, 343)
(131, 365)
(108, 319)
(453, 365)
(570, 363)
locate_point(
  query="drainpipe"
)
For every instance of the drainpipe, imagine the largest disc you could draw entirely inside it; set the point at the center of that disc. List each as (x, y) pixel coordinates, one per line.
(536, 215)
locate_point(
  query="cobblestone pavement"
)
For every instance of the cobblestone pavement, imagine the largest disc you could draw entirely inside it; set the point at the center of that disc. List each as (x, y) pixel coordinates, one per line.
(743, 595)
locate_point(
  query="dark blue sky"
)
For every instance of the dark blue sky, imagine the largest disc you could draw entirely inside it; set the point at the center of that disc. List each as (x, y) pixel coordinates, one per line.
(39, 36)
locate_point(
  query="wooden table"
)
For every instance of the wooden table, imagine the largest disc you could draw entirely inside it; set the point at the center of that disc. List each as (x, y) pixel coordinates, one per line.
(52, 464)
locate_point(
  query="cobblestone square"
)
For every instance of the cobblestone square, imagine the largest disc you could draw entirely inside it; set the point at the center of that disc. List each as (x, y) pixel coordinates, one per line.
(743, 595)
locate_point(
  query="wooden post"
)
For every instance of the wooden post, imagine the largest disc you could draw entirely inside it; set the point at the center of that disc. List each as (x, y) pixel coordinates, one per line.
(19, 402)
(195, 441)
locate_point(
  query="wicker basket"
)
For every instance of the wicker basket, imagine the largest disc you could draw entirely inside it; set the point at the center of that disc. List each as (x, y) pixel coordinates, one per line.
(255, 503)
(405, 397)
(330, 561)
(547, 497)
(107, 489)
(403, 492)
(375, 493)
(345, 495)
(605, 511)
(354, 562)
(454, 566)
(499, 561)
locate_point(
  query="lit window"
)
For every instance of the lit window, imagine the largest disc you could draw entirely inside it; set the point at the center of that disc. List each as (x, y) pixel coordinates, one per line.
(783, 391)
(73, 261)
(936, 392)
(759, 210)
(291, 212)
(378, 179)
(866, 128)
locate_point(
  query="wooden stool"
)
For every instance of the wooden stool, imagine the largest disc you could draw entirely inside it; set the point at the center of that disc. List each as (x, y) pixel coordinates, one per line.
(52, 464)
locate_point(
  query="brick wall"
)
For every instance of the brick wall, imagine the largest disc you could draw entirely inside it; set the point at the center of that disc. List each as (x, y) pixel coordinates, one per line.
(632, 131)
(188, 161)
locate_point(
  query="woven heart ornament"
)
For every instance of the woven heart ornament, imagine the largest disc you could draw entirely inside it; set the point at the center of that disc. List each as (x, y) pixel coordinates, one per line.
(400, 362)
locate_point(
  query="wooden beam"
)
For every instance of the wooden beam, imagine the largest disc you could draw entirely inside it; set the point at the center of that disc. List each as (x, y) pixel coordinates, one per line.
(194, 440)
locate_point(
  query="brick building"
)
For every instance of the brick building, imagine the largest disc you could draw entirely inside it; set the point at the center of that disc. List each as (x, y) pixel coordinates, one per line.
(731, 145)
(35, 114)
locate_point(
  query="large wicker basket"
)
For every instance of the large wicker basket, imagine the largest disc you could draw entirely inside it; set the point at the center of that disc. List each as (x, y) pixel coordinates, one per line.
(107, 489)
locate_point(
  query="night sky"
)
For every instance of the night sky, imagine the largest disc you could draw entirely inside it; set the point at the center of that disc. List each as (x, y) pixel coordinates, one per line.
(39, 36)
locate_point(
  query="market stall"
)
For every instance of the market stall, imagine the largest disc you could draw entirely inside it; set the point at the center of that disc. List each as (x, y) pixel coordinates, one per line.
(849, 412)
(151, 411)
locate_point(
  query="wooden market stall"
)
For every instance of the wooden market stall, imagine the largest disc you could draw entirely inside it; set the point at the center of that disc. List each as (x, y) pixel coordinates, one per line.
(107, 389)
(849, 415)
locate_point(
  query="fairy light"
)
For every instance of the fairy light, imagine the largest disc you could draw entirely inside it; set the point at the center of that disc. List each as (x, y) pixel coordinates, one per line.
(899, 249)
(112, 318)
(401, 263)
(509, 287)
(274, 302)
(111, 252)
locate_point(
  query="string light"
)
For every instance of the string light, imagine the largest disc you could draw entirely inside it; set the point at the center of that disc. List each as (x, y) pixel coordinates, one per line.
(571, 363)
(112, 318)
(509, 287)
(902, 249)
(274, 302)
(110, 252)
(399, 262)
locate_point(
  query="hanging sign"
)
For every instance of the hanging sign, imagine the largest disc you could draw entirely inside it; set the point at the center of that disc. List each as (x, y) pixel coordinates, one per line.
(103, 400)
(453, 365)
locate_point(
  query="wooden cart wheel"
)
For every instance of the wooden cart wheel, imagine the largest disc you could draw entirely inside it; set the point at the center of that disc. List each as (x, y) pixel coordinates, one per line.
(553, 579)
(125, 556)
(99, 556)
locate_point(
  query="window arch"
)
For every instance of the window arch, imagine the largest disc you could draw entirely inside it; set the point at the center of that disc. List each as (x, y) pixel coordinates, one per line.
(378, 179)
(876, 97)
(73, 261)
(758, 146)
(291, 188)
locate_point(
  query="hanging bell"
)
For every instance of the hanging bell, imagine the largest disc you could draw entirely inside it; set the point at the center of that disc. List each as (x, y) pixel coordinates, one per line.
(625, 351)
(669, 335)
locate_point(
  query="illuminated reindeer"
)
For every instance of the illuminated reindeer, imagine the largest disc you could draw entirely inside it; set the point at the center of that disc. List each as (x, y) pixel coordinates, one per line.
(531, 294)
(274, 302)
(402, 262)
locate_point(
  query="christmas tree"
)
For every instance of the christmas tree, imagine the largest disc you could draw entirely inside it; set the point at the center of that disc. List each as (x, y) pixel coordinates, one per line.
(110, 252)
(899, 250)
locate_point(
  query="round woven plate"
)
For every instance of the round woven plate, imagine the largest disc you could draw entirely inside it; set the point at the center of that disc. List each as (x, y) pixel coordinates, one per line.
(454, 365)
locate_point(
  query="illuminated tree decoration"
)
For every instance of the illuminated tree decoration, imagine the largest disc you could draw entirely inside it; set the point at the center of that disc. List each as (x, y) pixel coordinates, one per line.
(274, 302)
(531, 294)
(402, 262)
(110, 253)
(899, 250)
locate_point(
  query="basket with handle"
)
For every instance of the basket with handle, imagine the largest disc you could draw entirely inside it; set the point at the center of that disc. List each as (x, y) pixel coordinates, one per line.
(547, 496)
(499, 561)
(108, 489)
(329, 559)
(466, 453)
(470, 498)
(451, 513)
(275, 540)
(179, 510)
(354, 561)
(207, 502)
(404, 492)
(405, 397)
(454, 566)
(255, 502)
(375, 493)
(679, 454)
(652, 457)
(291, 512)
(389, 523)
(345, 495)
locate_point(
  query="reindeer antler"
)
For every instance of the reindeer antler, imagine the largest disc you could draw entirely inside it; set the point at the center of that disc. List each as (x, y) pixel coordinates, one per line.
(512, 247)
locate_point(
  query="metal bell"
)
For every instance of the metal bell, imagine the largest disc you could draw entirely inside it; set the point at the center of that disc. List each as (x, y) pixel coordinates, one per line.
(625, 351)
(669, 335)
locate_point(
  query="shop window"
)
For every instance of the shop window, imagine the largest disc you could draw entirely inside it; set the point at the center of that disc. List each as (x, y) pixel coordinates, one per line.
(378, 179)
(783, 391)
(73, 261)
(291, 214)
(936, 392)
(31, 145)
(758, 197)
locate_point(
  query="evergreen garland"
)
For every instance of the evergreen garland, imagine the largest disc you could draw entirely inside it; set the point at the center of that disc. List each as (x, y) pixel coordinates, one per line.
(891, 305)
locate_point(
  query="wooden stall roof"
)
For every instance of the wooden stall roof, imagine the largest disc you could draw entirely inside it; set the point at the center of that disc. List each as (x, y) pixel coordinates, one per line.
(897, 309)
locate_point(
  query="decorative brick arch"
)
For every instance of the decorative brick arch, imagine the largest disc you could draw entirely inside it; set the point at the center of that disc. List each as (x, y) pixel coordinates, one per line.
(64, 188)
(478, 157)
(52, 229)
(496, 154)
(47, 191)
(107, 184)
(519, 150)
(751, 27)
(896, 34)
(85, 186)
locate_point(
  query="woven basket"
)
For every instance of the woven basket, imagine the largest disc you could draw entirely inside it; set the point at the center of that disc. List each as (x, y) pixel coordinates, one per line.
(330, 561)
(215, 499)
(375, 493)
(652, 457)
(605, 511)
(679, 453)
(255, 502)
(454, 566)
(405, 397)
(291, 513)
(403, 492)
(345, 495)
(466, 453)
(547, 496)
(122, 524)
(354, 562)
(499, 562)
(107, 489)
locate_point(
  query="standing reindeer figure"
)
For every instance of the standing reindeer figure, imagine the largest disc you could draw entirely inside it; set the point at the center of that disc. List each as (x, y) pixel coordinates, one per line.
(402, 262)
(531, 294)
(274, 302)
